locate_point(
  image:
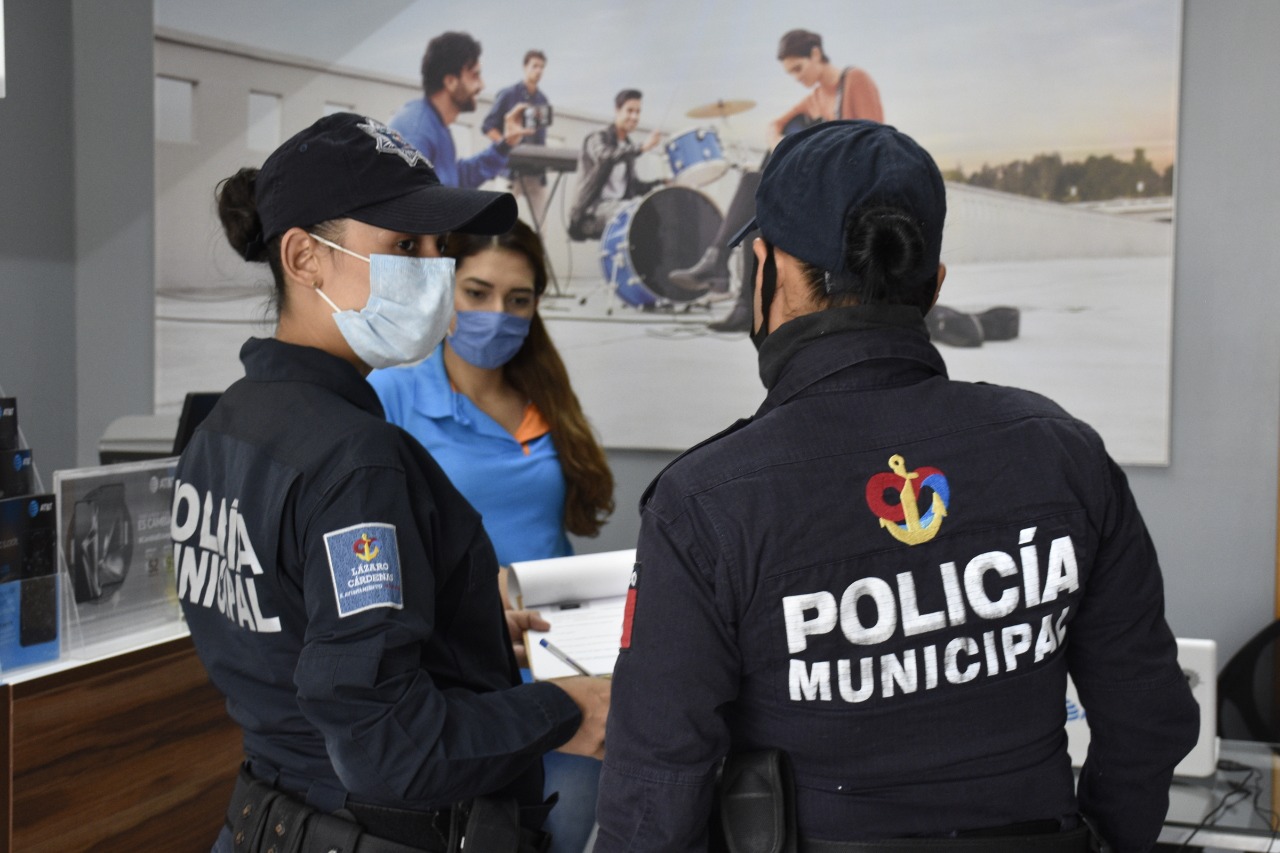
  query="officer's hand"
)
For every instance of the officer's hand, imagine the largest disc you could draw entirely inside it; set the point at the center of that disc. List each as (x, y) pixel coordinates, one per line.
(591, 695)
(519, 621)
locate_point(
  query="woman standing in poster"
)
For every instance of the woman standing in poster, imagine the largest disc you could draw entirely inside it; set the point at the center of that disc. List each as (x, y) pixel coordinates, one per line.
(835, 93)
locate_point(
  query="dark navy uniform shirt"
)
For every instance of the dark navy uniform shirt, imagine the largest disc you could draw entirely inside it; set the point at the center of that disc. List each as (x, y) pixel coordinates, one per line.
(343, 596)
(889, 575)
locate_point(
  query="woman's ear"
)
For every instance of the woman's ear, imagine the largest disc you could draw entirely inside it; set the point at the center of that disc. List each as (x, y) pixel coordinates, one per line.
(298, 258)
(942, 274)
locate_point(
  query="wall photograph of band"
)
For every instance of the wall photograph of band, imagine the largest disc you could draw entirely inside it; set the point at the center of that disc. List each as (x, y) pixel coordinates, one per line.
(634, 137)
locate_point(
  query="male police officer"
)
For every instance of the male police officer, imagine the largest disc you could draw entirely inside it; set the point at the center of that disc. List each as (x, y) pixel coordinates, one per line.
(887, 574)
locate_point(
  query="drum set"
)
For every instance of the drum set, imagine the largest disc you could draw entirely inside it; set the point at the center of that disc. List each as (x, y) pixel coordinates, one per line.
(671, 227)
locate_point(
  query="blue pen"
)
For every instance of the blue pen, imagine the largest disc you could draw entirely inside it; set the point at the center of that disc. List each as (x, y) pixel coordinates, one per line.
(551, 647)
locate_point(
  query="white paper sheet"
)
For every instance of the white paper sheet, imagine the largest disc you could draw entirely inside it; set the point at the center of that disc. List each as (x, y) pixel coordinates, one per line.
(583, 597)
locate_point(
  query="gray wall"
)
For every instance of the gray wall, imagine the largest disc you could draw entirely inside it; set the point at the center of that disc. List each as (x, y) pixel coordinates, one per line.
(1212, 512)
(37, 229)
(76, 270)
(115, 224)
(76, 246)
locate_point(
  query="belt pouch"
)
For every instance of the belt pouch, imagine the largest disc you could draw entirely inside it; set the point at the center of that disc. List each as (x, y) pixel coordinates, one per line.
(492, 824)
(756, 803)
(284, 825)
(266, 820)
(330, 834)
(247, 814)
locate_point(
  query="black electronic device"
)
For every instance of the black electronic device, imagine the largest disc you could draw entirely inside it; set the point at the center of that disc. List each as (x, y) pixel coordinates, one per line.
(537, 115)
(100, 543)
(38, 611)
(543, 157)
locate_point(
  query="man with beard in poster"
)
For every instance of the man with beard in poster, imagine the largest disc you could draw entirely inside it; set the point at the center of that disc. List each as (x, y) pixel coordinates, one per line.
(450, 82)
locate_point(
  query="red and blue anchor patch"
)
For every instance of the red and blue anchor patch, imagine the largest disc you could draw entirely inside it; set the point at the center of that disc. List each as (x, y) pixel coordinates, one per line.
(902, 518)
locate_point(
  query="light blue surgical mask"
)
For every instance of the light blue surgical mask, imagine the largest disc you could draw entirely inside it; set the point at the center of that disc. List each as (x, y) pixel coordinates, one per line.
(488, 339)
(408, 312)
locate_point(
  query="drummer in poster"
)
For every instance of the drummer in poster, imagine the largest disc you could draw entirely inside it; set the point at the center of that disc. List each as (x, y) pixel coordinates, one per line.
(608, 169)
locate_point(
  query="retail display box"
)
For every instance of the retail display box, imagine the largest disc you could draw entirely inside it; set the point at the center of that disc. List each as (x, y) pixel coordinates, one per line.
(114, 549)
(29, 619)
(15, 473)
(8, 423)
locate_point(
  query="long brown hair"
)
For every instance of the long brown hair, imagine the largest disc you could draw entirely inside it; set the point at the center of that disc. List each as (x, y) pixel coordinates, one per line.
(537, 372)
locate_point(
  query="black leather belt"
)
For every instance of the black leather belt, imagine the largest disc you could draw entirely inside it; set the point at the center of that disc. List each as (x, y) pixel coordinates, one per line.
(1072, 841)
(263, 818)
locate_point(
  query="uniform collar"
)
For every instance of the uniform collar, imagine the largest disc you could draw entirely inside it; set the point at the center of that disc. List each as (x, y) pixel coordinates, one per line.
(271, 360)
(815, 346)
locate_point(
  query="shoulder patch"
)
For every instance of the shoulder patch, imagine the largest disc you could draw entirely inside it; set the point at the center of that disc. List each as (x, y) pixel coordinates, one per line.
(364, 562)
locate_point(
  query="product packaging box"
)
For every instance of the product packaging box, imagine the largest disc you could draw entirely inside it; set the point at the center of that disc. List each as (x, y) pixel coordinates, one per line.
(115, 551)
(15, 473)
(29, 621)
(8, 423)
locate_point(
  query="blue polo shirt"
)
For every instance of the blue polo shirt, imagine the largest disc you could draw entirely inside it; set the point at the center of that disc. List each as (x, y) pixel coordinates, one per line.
(514, 481)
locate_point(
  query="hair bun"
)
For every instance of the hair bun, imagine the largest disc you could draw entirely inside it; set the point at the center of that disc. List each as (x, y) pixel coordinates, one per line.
(238, 212)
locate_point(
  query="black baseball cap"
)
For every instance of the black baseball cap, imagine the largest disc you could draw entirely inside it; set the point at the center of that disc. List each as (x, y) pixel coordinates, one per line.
(351, 166)
(817, 178)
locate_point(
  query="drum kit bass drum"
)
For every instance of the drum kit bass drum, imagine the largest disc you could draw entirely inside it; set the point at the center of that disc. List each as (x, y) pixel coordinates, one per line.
(669, 228)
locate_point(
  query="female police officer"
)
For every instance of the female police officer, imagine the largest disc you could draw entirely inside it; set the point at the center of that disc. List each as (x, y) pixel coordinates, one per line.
(886, 574)
(338, 589)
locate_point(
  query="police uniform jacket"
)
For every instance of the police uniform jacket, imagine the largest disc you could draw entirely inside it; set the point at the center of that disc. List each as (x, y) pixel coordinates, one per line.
(343, 596)
(889, 575)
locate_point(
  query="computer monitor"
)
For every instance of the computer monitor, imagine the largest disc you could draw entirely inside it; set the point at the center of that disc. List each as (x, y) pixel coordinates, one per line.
(195, 408)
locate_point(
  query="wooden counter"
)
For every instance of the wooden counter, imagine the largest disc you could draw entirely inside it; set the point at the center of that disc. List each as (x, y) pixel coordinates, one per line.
(132, 752)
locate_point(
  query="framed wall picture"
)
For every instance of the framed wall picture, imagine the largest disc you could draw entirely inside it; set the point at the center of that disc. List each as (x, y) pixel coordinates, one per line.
(1054, 125)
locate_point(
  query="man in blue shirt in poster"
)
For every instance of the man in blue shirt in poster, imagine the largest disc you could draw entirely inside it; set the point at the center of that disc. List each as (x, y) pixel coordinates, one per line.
(450, 82)
(530, 182)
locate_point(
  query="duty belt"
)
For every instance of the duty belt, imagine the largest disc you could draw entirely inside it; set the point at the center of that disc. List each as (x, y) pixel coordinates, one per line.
(1072, 841)
(266, 820)
(756, 814)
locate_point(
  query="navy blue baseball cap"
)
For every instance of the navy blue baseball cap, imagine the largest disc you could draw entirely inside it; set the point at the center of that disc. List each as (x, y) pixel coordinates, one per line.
(817, 178)
(351, 166)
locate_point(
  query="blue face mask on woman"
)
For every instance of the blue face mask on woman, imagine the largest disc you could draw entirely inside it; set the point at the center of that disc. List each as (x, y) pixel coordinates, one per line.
(408, 312)
(488, 339)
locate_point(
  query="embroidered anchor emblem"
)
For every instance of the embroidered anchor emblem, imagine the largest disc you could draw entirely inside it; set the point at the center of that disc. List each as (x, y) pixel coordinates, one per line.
(362, 549)
(903, 519)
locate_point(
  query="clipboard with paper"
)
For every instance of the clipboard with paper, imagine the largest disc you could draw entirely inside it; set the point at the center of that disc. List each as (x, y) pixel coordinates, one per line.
(584, 598)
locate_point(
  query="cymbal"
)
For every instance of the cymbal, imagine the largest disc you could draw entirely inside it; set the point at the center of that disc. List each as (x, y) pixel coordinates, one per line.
(720, 109)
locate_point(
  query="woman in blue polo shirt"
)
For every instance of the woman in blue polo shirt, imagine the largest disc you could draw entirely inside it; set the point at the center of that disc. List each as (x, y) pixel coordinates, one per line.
(494, 407)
